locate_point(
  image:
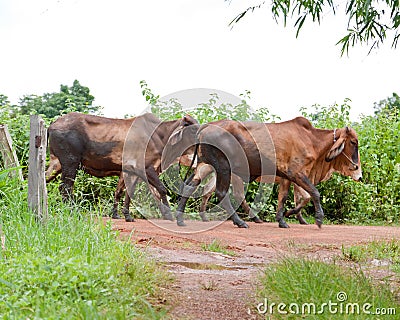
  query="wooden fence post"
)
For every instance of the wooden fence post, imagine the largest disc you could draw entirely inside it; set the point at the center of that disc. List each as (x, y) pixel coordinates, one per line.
(8, 153)
(37, 192)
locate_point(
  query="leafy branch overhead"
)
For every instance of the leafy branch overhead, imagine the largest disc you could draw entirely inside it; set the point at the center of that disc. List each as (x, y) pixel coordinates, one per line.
(370, 22)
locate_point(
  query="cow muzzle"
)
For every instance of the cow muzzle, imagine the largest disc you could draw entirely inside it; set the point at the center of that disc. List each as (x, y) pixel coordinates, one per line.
(357, 175)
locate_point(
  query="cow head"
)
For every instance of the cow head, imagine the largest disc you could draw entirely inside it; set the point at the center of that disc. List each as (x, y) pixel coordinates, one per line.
(178, 134)
(345, 153)
(181, 141)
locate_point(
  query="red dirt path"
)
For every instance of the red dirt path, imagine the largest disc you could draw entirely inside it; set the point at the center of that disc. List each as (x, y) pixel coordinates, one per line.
(216, 286)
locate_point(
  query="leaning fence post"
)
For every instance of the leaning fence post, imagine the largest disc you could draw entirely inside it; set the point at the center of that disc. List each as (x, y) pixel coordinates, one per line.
(8, 153)
(37, 192)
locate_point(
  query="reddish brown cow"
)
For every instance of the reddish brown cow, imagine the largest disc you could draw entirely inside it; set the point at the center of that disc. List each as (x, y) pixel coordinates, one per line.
(299, 154)
(96, 144)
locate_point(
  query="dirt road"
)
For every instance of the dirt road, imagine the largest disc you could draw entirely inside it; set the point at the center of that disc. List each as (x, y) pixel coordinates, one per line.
(213, 285)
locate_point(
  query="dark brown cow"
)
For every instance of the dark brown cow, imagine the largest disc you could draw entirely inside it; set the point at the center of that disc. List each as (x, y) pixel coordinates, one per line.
(96, 144)
(301, 154)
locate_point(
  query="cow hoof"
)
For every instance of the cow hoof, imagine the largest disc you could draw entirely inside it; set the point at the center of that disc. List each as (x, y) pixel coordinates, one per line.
(256, 219)
(241, 224)
(319, 223)
(116, 216)
(181, 224)
(283, 224)
(203, 217)
(129, 219)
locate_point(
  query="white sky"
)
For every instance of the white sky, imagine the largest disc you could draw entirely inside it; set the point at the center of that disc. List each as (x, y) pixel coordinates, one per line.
(109, 46)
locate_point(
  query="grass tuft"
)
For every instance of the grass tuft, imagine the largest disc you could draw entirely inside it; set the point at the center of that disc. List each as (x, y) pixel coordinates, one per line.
(295, 288)
(217, 246)
(381, 250)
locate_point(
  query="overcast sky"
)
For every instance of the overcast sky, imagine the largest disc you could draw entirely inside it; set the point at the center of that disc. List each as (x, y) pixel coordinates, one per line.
(109, 46)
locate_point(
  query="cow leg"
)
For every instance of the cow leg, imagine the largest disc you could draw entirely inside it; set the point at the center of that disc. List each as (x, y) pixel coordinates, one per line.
(238, 194)
(125, 209)
(301, 198)
(223, 182)
(189, 186)
(186, 190)
(130, 182)
(117, 197)
(284, 186)
(253, 216)
(203, 205)
(218, 160)
(67, 180)
(54, 168)
(208, 190)
(153, 179)
(306, 184)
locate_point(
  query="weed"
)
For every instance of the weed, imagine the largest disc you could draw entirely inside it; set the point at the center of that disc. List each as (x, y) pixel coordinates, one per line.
(216, 246)
(381, 250)
(209, 285)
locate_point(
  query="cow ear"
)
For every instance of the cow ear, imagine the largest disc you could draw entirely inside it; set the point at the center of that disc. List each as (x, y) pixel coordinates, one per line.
(336, 149)
(175, 138)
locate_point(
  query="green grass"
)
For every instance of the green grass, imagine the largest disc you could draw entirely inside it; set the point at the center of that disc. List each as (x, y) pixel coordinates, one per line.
(380, 250)
(216, 246)
(299, 285)
(72, 267)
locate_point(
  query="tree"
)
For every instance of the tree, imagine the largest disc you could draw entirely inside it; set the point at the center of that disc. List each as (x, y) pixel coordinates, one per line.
(4, 100)
(369, 22)
(390, 105)
(75, 98)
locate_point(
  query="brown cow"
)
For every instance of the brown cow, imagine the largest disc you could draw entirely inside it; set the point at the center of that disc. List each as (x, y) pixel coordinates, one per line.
(96, 144)
(299, 153)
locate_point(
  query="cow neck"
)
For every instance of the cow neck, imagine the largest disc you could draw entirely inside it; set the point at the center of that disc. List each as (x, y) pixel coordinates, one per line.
(323, 170)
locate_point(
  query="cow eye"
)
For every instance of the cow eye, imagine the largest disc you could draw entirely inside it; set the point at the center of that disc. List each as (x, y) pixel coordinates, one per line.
(354, 143)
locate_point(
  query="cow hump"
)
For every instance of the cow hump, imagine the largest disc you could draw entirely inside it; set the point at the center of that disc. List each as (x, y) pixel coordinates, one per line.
(303, 122)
